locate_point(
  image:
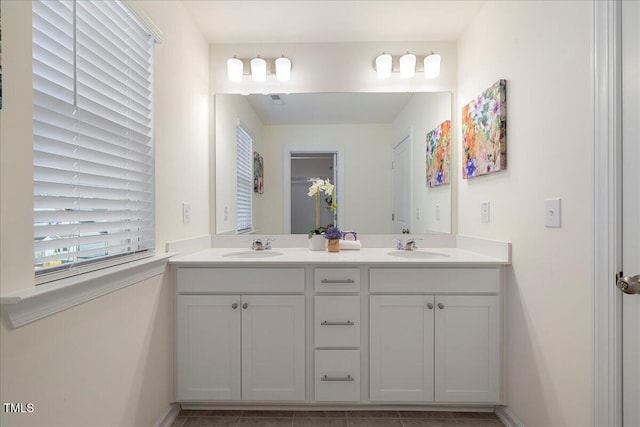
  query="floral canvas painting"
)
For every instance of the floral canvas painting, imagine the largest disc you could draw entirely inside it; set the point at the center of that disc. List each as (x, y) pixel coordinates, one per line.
(484, 132)
(439, 154)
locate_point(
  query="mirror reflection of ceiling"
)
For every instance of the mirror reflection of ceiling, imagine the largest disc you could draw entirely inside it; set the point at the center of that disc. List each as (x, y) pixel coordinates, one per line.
(328, 108)
(266, 21)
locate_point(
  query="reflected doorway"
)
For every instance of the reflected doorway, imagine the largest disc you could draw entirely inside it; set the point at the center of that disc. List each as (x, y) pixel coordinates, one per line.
(304, 167)
(300, 164)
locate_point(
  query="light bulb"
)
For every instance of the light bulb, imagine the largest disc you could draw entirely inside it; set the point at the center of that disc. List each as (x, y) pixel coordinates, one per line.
(407, 65)
(383, 65)
(283, 69)
(258, 69)
(432, 66)
(235, 69)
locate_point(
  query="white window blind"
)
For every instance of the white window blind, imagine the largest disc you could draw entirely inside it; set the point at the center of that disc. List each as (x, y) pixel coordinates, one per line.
(244, 167)
(92, 134)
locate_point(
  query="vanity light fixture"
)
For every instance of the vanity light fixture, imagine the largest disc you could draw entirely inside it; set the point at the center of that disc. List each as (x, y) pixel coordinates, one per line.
(431, 66)
(407, 64)
(259, 68)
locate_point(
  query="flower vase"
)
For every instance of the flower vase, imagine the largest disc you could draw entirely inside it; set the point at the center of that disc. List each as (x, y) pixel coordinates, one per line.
(316, 242)
(333, 245)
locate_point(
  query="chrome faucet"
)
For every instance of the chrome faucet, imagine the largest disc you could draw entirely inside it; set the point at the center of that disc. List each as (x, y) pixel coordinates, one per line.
(410, 245)
(258, 245)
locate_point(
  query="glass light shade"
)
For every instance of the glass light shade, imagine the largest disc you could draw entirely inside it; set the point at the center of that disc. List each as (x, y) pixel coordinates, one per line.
(283, 69)
(407, 65)
(384, 65)
(258, 69)
(235, 69)
(432, 66)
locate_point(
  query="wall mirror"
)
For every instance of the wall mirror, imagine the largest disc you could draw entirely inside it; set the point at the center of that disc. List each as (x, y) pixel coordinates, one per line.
(372, 146)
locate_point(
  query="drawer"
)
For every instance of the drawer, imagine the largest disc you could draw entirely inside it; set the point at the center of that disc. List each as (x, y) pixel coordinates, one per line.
(337, 321)
(435, 280)
(337, 375)
(212, 280)
(337, 279)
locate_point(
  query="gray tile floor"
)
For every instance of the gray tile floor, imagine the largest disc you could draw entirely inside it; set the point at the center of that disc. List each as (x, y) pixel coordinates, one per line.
(240, 418)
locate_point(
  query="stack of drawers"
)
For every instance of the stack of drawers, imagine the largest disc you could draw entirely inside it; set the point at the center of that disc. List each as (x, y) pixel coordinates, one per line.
(337, 334)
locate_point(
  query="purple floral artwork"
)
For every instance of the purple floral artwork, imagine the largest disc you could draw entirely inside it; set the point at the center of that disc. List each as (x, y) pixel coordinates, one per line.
(439, 154)
(484, 132)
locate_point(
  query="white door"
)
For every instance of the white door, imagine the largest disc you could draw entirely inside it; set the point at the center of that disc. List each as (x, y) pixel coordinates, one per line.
(401, 348)
(208, 347)
(273, 347)
(467, 343)
(631, 209)
(401, 185)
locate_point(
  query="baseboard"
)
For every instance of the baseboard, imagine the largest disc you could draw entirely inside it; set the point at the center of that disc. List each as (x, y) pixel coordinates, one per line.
(507, 417)
(168, 416)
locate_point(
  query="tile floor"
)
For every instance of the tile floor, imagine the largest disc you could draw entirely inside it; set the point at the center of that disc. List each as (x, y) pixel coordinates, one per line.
(240, 418)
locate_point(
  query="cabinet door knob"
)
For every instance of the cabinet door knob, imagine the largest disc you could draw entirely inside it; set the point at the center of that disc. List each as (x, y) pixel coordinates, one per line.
(234, 305)
(430, 306)
(245, 305)
(440, 305)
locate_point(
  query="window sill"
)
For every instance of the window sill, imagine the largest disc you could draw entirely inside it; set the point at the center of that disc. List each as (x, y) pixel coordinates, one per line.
(36, 303)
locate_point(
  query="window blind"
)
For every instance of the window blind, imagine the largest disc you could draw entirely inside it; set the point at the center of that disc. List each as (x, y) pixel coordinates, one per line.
(92, 134)
(244, 167)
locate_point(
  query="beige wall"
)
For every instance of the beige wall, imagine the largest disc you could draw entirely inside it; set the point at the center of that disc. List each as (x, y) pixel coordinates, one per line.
(543, 50)
(367, 172)
(422, 114)
(109, 361)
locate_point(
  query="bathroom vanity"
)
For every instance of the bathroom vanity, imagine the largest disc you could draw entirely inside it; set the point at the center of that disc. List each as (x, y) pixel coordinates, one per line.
(368, 328)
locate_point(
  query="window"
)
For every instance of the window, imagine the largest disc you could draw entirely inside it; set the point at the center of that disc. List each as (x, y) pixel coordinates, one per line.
(244, 167)
(92, 136)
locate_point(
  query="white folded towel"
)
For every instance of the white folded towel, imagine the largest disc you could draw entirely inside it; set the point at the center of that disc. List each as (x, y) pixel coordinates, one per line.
(350, 245)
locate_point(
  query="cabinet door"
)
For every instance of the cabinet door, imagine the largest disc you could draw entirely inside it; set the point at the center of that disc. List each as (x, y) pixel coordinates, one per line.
(467, 366)
(208, 347)
(273, 347)
(401, 348)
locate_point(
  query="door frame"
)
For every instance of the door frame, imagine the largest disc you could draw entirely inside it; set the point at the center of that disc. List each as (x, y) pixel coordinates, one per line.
(607, 210)
(338, 150)
(407, 136)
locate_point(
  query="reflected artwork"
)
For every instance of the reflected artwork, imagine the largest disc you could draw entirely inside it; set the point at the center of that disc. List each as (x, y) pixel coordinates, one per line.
(484, 132)
(258, 173)
(439, 154)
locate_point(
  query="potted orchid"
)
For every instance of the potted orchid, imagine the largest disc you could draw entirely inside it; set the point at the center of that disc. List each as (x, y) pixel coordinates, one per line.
(333, 236)
(318, 186)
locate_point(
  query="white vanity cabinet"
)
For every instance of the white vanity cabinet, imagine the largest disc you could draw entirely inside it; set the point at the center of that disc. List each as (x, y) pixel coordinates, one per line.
(240, 346)
(442, 345)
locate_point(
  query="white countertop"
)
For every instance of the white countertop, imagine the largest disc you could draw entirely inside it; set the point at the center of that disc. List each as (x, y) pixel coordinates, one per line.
(301, 256)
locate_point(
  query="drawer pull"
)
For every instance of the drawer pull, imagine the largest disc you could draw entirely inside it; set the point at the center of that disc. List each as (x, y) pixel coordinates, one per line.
(347, 378)
(347, 323)
(338, 281)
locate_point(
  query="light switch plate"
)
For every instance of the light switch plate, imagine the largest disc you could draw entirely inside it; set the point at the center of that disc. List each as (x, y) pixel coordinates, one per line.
(552, 213)
(484, 212)
(186, 213)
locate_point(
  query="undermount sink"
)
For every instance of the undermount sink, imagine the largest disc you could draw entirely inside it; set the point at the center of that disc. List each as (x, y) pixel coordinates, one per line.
(417, 254)
(253, 254)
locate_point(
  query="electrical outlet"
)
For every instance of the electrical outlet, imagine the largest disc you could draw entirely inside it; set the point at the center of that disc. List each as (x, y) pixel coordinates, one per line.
(186, 213)
(437, 212)
(417, 213)
(226, 213)
(552, 213)
(484, 212)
